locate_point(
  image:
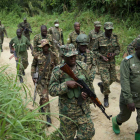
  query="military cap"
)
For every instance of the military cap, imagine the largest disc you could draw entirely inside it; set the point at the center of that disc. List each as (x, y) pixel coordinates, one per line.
(56, 21)
(68, 50)
(138, 36)
(108, 25)
(137, 44)
(25, 18)
(44, 42)
(97, 24)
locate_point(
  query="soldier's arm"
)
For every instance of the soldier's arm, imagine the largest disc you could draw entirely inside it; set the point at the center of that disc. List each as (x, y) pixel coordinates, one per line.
(56, 88)
(50, 31)
(34, 65)
(93, 66)
(11, 46)
(29, 44)
(90, 39)
(117, 49)
(130, 47)
(125, 81)
(69, 39)
(62, 37)
(96, 48)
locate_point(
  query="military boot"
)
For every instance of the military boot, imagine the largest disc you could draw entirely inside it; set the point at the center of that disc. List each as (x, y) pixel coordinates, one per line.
(100, 84)
(137, 136)
(48, 120)
(106, 103)
(41, 110)
(21, 79)
(115, 125)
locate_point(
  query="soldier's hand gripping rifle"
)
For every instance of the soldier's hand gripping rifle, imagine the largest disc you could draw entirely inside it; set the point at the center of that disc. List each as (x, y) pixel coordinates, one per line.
(65, 68)
(35, 77)
(14, 55)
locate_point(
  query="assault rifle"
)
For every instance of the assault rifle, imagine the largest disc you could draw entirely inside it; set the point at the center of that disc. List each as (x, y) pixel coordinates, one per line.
(65, 68)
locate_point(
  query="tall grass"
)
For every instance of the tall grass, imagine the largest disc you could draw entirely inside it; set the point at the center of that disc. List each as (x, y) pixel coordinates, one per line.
(17, 121)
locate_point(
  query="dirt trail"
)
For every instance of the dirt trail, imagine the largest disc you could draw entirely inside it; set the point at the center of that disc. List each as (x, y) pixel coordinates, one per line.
(103, 127)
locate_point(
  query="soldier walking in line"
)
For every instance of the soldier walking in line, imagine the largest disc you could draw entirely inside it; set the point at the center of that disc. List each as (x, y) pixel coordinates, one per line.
(39, 37)
(68, 91)
(45, 60)
(73, 35)
(130, 93)
(19, 44)
(106, 47)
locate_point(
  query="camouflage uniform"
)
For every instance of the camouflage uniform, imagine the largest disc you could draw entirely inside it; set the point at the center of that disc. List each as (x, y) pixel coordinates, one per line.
(79, 115)
(26, 28)
(2, 30)
(72, 38)
(39, 61)
(93, 35)
(102, 47)
(57, 35)
(130, 93)
(131, 46)
(37, 42)
(20, 46)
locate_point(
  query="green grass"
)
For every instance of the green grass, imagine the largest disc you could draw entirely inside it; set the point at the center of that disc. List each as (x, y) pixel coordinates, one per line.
(126, 30)
(17, 121)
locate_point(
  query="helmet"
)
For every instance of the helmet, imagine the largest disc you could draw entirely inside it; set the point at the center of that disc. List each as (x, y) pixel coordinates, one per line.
(82, 39)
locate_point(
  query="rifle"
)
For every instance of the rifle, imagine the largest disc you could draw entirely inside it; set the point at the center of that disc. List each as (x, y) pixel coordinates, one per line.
(65, 68)
(14, 55)
(35, 76)
(57, 44)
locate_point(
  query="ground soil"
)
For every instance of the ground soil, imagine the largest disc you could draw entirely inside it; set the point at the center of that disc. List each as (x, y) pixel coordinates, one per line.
(103, 127)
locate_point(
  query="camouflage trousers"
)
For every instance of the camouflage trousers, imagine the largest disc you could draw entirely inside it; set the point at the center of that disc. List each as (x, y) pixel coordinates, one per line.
(42, 90)
(125, 113)
(1, 42)
(21, 64)
(82, 124)
(108, 76)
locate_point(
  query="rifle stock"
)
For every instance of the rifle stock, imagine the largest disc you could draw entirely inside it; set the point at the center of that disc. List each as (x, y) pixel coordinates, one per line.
(65, 68)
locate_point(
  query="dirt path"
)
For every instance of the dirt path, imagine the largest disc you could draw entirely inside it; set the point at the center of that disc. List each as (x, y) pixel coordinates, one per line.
(103, 126)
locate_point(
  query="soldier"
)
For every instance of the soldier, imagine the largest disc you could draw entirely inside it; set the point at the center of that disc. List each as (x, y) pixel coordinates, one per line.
(106, 47)
(84, 54)
(39, 37)
(72, 36)
(26, 28)
(2, 31)
(130, 93)
(45, 61)
(94, 33)
(131, 48)
(20, 43)
(68, 91)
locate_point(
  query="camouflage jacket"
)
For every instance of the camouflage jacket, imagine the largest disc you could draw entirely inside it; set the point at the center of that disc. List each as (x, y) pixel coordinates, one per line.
(37, 42)
(72, 38)
(89, 59)
(2, 30)
(131, 46)
(57, 34)
(25, 27)
(130, 77)
(20, 44)
(92, 36)
(40, 60)
(57, 87)
(104, 45)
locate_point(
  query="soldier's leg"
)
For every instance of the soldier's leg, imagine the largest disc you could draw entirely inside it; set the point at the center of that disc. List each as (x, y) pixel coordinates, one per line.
(28, 37)
(85, 128)
(137, 134)
(24, 64)
(113, 76)
(1, 45)
(67, 128)
(105, 77)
